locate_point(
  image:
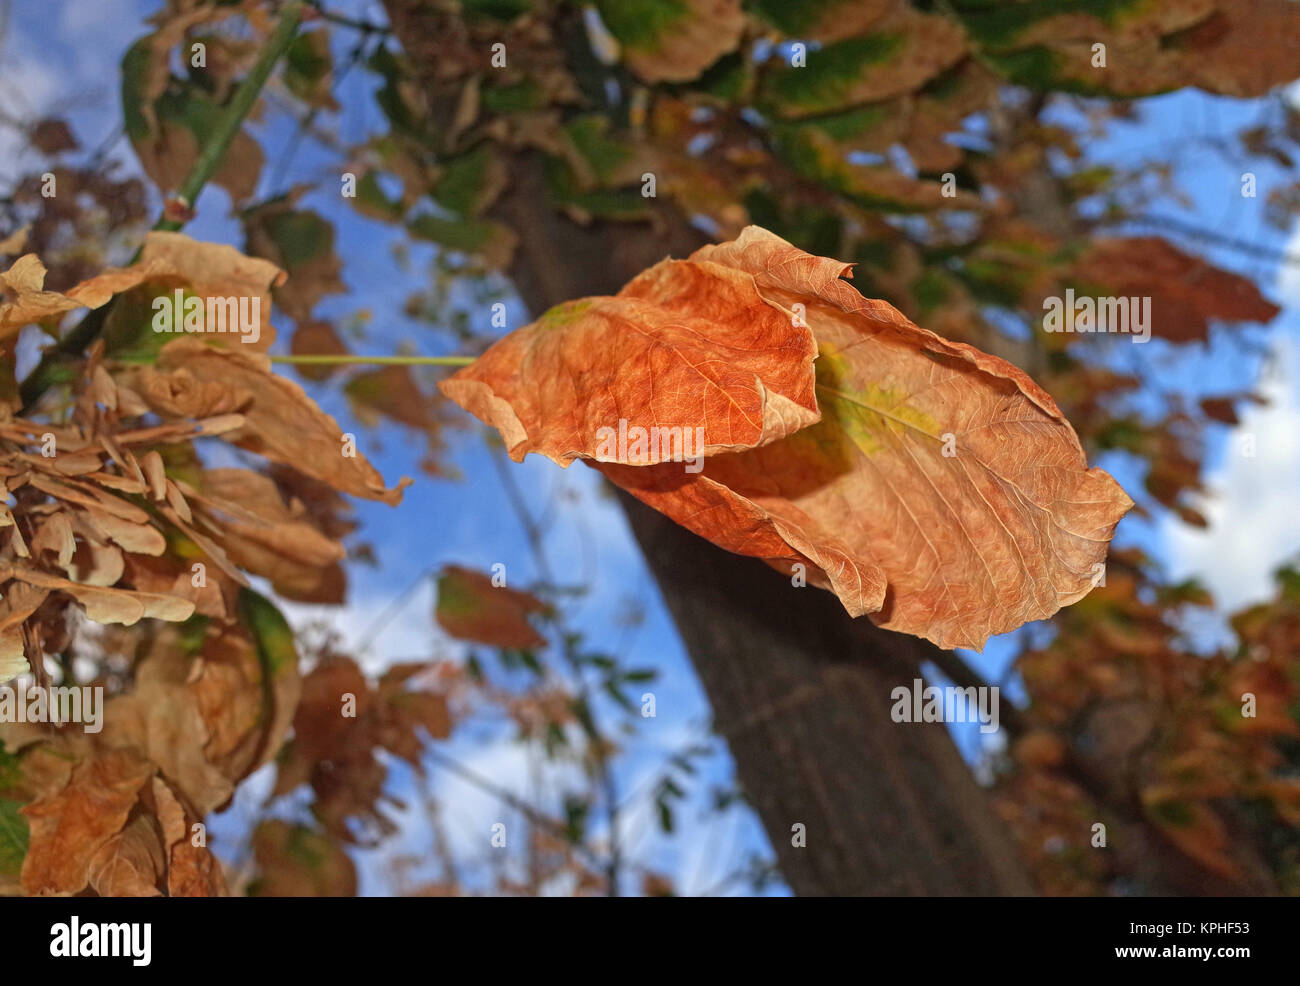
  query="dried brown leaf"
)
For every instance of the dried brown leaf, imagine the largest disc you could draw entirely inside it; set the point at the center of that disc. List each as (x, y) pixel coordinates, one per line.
(70, 827)
(280, 422)
(470, 607)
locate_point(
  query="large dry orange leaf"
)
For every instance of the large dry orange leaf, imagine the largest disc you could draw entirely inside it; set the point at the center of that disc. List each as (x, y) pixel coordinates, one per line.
(955, 547)
(942, 493)
(683, 345)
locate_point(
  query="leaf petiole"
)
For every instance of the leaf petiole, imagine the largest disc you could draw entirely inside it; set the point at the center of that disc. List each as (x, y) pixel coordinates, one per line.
(350, 360)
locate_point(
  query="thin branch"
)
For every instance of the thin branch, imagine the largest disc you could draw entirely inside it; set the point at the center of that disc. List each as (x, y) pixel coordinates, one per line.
(50, 369)
(533, 533)
(1246, 247)
(342, 20)
(536, 542)
(382, 621)
(534, 816)
(963, 675)
(305, 125)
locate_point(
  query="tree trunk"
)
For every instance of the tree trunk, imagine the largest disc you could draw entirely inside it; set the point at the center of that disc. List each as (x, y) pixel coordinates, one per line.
(801, 693)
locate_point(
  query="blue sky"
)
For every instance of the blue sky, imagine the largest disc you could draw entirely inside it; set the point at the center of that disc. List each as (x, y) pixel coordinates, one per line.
(64, 56)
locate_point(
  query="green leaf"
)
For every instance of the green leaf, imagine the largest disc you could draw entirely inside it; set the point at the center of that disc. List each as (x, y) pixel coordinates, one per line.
(820, 159)
(501, 10)
(563, 188)
(998, 25)
(849, 125)
(828, 79)
(128, 328)
(665, 816)
(308, 65)
(390, 99)
(642, 23)
(576, 812)
(728, 79)
(618, 695)
(185, 105)
(10, 768)
(135, 65)
(797, 20)
(371, 201)
(477, 236)
(301, 236)
(470, 182)
(517, 98)
(14, 835)
(590, 135)
(271, 633)
(1176, 813)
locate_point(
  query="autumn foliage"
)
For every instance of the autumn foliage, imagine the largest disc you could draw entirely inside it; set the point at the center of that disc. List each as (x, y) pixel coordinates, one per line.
(857, 347)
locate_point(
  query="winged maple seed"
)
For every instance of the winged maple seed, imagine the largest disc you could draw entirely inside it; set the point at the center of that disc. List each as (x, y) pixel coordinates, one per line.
(931, 486)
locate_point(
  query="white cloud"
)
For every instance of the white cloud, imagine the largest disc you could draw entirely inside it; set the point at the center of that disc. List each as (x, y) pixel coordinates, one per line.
(1254, 510)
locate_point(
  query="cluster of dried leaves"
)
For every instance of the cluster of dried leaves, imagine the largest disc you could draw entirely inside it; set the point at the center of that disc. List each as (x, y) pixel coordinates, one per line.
(113, 517)
(1159, 730)
(344, 763)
